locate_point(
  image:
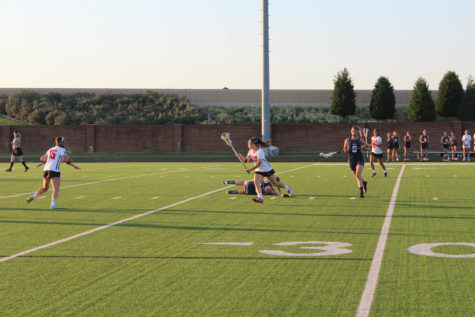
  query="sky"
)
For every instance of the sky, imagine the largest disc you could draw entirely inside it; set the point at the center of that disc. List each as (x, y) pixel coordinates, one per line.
(211, 44)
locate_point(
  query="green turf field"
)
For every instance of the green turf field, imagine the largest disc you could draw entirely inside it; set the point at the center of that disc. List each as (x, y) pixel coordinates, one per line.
(173, 261)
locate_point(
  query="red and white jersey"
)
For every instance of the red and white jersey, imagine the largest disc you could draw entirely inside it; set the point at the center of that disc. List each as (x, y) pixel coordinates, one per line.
(54, 158)
(259, 156)
(376, 145)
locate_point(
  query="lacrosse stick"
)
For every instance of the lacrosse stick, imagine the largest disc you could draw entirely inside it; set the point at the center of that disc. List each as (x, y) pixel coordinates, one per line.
(68, 150)
(43, 163)
(365, 133)
(227, 139)
(328, 154)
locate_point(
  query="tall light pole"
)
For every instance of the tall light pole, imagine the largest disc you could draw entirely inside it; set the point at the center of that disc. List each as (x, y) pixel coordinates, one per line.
(265, 117)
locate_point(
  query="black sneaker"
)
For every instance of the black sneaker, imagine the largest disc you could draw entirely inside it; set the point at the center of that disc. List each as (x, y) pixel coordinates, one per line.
(361, 195)
(8, 170)
(26, 169)
(374, 174)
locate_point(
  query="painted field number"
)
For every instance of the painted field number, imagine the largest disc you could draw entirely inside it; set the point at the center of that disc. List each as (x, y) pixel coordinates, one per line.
(328, 248)
(425, 249)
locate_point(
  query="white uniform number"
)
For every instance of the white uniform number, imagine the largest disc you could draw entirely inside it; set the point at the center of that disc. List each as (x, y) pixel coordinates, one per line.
(328, 248)
(425, 249)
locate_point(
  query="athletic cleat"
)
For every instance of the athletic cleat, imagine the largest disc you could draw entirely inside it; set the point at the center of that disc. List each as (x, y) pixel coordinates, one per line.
(8, 170)
(374, 174)
(290, 192)
(258, 200)
(361, 195)
(224, 182)
(30, 199)
(364, 186)
(26, 169)
(54, 207)
(385, 173)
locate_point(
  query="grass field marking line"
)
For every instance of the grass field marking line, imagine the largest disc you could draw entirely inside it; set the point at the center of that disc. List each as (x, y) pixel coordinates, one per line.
(246, 244)
(120, 222)
(101, 181)
(372, 280)
(109, 225)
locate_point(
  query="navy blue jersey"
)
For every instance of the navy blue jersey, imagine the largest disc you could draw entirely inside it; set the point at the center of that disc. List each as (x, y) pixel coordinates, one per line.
(395, 139)
(251, 189)
(445, 139)
(354, 149)
(453, 140)
(390, 143)
(425, 139)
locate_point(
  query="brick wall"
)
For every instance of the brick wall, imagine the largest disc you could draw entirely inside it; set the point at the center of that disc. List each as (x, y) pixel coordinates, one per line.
(206, 138)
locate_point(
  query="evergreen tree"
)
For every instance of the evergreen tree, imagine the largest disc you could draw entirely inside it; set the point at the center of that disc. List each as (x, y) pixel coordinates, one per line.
(421, 105)
(383, 101)
(343, 97)
(467, 110)
(450, 95)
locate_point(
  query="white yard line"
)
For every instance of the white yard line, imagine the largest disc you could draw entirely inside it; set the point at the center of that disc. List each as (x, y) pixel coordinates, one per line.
(98, 182)
(372, 280)
(44, 246)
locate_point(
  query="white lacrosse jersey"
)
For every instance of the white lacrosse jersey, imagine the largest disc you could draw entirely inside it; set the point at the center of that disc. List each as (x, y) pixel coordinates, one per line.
(466, 139)
(16, 143)
(259, 156)
(55, 157)
(376, 144)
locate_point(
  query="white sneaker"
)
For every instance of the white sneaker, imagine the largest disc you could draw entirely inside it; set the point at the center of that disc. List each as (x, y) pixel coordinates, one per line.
(54, 207)
(290, 192)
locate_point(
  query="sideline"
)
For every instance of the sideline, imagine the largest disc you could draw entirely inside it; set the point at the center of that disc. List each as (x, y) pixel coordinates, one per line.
(372, 280)
(105, 180)
(4, 259)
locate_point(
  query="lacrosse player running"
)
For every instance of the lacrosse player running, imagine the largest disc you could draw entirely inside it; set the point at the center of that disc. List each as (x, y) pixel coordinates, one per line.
(377, 152)
(261, 167)
(51, 172)
(250, 188)
(353, 146)
(17, 152)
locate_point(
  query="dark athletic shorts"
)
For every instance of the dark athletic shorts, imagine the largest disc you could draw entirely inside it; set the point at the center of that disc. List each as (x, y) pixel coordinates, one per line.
(445, 146)
(424, 146)
(353, 163)
(396, 146)
(51, 174)
(380, 155)
(407, 145)
(266, 174)
(17, 152)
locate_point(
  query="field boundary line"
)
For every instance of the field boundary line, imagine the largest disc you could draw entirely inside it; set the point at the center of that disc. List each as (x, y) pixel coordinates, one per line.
(102, 181)
(85, 233)
(372, 280)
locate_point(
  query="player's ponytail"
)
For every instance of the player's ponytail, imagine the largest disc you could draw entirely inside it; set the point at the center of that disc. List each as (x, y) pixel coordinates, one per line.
(258, 141)
(59, 141)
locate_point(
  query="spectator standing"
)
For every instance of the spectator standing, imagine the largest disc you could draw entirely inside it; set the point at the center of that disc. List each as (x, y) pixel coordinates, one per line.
(424, 141)
(445, 141)
(453, 146)
(466, 142)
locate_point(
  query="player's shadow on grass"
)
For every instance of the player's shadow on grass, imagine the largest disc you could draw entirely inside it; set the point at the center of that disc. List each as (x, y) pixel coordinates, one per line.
(310, 214)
